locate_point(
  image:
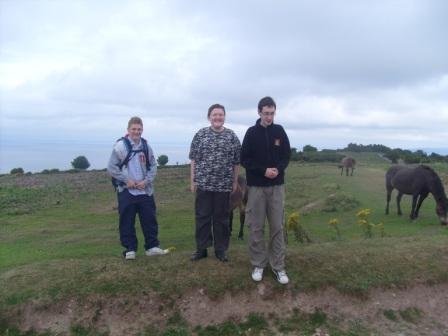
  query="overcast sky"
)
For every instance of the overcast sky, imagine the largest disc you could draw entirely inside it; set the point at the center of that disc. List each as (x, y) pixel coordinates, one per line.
(73, 72)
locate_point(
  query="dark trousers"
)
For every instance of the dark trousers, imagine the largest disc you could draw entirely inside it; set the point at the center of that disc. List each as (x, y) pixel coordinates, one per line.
(128, 206)
(212, 212)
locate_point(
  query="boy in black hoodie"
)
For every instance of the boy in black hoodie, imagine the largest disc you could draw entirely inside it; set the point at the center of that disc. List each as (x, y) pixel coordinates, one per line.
(265, 155)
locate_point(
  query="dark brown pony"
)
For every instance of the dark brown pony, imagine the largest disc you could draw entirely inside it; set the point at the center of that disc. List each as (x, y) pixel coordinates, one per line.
(418, 182)
(238, 199)
(347, 163)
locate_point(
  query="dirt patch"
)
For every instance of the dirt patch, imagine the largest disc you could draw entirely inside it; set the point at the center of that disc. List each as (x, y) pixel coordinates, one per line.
(129, 316)
(309, 207)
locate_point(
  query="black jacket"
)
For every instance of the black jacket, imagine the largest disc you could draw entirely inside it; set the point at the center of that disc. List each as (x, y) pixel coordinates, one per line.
(265, 147)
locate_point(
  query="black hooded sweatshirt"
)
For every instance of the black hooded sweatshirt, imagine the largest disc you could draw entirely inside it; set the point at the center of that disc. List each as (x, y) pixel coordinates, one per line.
(265, 147)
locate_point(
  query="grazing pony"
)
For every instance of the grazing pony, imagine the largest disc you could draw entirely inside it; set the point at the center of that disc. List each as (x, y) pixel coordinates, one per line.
(418, 182)
(238, 199)
(347, 163)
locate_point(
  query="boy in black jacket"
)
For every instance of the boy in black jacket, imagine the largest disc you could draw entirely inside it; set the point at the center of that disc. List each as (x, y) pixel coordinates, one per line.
(265, 155)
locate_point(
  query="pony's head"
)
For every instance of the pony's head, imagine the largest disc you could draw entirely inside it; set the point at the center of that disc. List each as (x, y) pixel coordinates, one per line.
(441, 210)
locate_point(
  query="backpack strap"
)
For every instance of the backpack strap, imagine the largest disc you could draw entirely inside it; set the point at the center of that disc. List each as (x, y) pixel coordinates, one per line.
(129, 152)
(146, 152)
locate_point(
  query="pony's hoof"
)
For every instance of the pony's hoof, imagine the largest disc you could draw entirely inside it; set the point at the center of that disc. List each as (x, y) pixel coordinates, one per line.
(240, 238)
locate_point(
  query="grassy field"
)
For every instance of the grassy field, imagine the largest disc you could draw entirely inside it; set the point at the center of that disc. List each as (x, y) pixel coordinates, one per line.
(59, 242)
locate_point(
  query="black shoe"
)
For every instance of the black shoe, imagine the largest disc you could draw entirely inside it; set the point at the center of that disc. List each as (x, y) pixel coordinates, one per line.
(222, 256)
(199, 254)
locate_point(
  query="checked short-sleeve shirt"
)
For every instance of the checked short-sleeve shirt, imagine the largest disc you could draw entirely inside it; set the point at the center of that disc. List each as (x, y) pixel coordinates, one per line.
(215, 154)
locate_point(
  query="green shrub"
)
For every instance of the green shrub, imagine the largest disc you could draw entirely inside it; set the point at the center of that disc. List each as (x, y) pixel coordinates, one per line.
(390, 314)
(340, 202)
(411, 314)
(18, 171)
(80, 162)
(162, 160)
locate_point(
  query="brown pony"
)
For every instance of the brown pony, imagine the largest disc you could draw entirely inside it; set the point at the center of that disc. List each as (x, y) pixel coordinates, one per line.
(347, 163)
(238, 199)
(418, 182)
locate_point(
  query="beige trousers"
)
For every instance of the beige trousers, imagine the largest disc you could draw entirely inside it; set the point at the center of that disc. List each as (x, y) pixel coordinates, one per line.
(266, 202)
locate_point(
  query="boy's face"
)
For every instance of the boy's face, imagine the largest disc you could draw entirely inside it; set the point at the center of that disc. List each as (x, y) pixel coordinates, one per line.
(267, 115)
(216, 118)
(135, 132)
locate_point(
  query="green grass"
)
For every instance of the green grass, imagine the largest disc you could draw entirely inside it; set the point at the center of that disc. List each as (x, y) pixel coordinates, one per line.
(411, 314)
(59, 240)
(390, 314)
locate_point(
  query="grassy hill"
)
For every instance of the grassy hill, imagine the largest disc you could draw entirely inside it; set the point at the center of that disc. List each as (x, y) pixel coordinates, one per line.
(59, 250)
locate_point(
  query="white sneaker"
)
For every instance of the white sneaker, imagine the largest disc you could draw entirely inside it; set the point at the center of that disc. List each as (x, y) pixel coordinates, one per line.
(281, 276)
(257, 274)
(155, 251)
(130, 255)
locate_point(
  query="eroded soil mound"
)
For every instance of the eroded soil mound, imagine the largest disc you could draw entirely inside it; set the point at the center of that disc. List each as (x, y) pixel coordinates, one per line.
(420, 310)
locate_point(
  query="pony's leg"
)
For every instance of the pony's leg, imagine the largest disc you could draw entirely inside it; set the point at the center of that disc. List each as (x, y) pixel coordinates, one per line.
(242, 219)
(346, 171)
(389, 192)
(351, 172)
(231, 221)
(342, 170)
(399, 196)
(414, 203)
(419, 203)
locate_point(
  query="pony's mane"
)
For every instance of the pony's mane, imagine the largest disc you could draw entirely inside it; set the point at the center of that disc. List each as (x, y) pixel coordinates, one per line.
(439, 191)
(428, 168)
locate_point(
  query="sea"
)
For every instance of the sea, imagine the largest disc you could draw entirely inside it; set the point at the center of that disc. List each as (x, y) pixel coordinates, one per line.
(36, 157)
(45, 155)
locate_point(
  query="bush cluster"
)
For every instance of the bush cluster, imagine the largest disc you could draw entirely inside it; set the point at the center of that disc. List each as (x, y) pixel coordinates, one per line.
(397, 154)
(18, 171)
(311, 154)
(325, 155)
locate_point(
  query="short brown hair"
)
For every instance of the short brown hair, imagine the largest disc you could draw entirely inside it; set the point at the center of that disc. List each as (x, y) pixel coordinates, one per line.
(266, 101)
(218, 106)
(135, 120)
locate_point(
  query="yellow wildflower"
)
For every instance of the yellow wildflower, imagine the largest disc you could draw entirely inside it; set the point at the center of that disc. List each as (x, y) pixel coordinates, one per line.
(292, 222)
(333, 222)
(363, 213)
(363, 222)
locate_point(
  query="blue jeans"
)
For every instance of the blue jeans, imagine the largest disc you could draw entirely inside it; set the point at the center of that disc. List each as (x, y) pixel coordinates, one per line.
(128, 206)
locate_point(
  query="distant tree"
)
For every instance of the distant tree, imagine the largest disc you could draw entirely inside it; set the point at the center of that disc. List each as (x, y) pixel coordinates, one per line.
(438, 158)
(309, 148)
(393, 155)
(162, 160)
(80, 162)
(18, 171)
(294, 154)
(353, 147)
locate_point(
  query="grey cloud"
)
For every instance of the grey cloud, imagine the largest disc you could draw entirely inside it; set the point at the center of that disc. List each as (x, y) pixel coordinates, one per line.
(168, 61)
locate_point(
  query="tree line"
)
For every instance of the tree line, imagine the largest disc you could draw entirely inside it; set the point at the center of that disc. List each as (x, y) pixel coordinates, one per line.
(396, 155)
